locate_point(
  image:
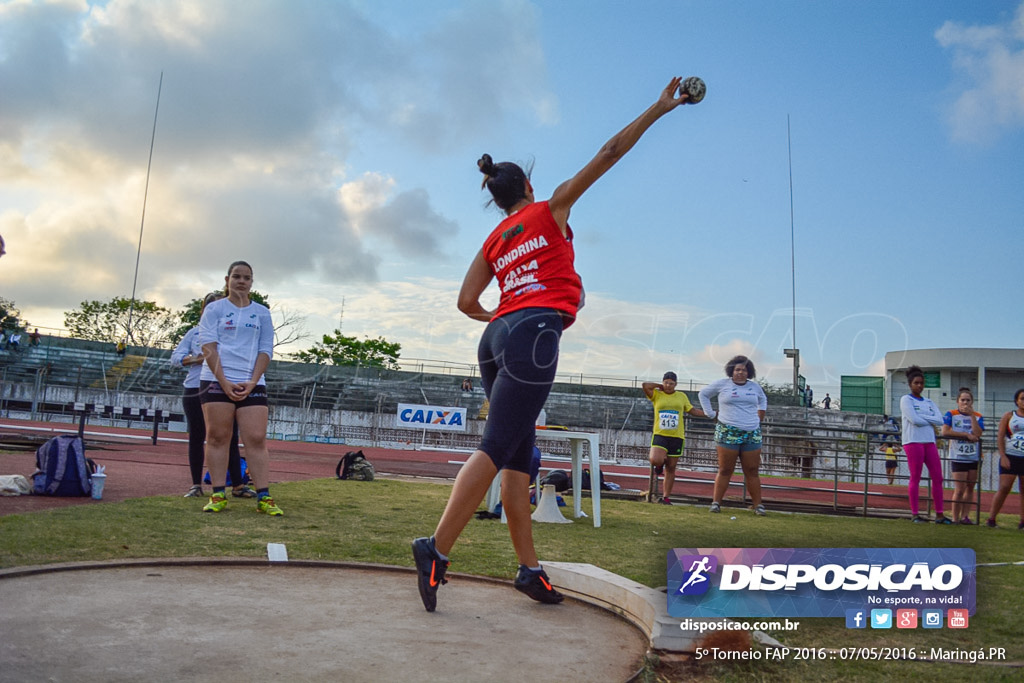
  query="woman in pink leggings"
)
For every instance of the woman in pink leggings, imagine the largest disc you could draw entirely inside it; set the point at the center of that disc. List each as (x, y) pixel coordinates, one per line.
(920, 418)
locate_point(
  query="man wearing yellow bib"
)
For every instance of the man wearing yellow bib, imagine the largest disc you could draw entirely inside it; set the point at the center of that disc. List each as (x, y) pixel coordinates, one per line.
(667, 443)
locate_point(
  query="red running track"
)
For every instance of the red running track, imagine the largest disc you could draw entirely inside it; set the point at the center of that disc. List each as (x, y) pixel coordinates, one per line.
(137, 468)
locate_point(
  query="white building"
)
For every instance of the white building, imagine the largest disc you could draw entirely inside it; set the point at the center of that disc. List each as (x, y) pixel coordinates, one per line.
(994, 375)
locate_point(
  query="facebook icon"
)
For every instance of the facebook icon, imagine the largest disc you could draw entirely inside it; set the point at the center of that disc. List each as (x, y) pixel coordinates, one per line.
(856, 618)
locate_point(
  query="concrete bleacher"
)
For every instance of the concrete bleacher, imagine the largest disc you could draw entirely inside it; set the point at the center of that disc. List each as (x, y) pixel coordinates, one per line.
(93, 372)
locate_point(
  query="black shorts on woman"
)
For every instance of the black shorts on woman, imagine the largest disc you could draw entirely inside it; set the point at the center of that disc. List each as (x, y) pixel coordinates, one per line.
(518, 357)
(672, 445)
(1016, 467)
(211, 392)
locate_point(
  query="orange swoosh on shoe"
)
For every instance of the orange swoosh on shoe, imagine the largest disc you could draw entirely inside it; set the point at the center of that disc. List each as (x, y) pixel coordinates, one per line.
(433, 564)
(546, 584)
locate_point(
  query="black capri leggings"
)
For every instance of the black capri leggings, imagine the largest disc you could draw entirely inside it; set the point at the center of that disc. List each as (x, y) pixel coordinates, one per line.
(518, 356)
(197, 438)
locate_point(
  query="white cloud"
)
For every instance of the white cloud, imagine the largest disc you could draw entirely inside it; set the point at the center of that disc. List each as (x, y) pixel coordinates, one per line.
(989, 62)
(263, 106)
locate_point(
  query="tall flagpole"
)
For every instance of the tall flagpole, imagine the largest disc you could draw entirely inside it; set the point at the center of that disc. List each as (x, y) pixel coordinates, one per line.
(795, 355)
(145, 195)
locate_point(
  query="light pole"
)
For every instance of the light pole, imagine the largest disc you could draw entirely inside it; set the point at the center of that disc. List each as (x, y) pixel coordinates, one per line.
(145, 195)
(794, 352)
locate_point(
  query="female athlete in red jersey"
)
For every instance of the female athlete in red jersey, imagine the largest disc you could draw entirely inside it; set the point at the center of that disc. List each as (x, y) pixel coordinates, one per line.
(531, 255)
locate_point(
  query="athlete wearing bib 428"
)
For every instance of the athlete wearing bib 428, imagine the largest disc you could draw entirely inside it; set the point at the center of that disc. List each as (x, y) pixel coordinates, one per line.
(670, 406)
(1010, 441)
(962, 429)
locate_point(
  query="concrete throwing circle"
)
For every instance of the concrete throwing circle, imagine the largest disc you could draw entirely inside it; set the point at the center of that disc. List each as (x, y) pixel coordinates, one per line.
(222, 622)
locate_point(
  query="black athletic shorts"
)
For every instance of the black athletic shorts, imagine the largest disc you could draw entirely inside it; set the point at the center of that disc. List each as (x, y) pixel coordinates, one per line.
(959, 466)
(1016, 466)
(211, 392)
(891, 464)
(673, 445)
(518, 356)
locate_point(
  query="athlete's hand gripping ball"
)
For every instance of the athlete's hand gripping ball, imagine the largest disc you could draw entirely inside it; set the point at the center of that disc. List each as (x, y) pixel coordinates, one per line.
(694, 88)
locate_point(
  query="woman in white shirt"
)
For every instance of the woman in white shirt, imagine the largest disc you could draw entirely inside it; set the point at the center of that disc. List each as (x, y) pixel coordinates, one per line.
(237, 336)
(920, 417)
(189, 354)
(741, 407)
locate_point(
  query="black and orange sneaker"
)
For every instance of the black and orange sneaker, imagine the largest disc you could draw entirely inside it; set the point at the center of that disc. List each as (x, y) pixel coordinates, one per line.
(537, 585)
(430, 570)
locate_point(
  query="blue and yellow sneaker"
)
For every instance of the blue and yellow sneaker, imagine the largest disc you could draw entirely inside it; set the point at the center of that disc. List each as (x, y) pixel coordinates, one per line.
(266, 506)
(218, 502)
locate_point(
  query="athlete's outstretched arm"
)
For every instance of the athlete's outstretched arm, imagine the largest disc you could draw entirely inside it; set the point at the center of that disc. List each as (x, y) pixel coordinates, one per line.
(567, 193)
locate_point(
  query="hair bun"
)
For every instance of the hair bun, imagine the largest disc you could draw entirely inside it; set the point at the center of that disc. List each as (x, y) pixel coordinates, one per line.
(486, 165)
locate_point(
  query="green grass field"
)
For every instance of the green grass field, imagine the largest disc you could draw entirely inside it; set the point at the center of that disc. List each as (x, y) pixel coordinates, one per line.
(374, 522)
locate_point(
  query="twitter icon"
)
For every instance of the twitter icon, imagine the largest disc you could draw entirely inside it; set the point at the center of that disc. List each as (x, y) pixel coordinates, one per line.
(881, 618)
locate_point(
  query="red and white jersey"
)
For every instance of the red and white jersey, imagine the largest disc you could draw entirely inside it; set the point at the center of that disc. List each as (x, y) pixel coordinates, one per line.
(534, 263)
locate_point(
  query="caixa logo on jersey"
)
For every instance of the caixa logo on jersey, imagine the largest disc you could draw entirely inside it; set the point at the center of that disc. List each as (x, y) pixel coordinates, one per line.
(412, 416)
(816, 582)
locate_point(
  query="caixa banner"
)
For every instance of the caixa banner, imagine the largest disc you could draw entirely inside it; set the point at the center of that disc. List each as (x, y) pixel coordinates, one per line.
(414, 416)
(816, 582)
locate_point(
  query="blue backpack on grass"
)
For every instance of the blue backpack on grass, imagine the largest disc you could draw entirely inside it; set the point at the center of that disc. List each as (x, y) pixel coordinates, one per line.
(62, 468)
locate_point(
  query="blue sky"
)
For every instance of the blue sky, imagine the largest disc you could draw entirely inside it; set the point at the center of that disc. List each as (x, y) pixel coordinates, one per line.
(333, 146)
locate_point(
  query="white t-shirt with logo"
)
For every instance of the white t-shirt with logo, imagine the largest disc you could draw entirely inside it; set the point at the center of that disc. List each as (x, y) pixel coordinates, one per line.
(920, 416)
(737, 403)
(189, 346)
(242, 334)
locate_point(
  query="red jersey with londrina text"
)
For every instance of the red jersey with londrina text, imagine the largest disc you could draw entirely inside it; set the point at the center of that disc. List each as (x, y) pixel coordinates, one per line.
(533, 263)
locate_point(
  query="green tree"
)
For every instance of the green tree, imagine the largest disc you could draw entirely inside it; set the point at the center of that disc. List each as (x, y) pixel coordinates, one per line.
(289, 326)
(337, 349)
(779, 394)
(10, 316)
(107, 321)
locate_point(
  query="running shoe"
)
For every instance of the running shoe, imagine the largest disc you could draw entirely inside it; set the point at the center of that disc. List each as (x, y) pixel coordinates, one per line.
(430, 570)
(943, 520)
(218, 502)
(1020, 525)
(244, 492)
(991, 523)
(266, 505)
(665, 500)
(967, 520)
(918, 519)
(194, 492)
(715, 507)
(537, 585)
(760, 511)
